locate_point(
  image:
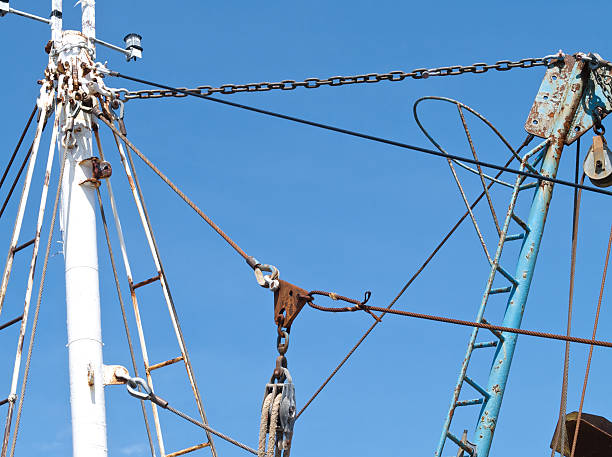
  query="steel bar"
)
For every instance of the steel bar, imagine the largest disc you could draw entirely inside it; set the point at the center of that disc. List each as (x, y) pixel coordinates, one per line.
(11, 322)
(500, 369)
(138, 197)
(119, 296)
(165, 364)
(29, 16)
(24, 245)
(188, 450)
(146, 282)
(22, 205)
(136, 308)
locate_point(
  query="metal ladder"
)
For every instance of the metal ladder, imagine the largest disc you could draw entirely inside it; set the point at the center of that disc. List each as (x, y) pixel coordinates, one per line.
(464, 446)
(15, 248)
(161, 278)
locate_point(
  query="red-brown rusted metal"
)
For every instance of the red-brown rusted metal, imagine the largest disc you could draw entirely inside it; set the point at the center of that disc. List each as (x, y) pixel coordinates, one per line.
(288, 302)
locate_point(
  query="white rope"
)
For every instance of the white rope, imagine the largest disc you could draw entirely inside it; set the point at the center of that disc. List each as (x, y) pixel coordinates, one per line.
(263, 426)
(274, 424)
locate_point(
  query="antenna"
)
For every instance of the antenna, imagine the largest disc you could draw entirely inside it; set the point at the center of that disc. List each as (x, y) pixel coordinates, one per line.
(133, 41)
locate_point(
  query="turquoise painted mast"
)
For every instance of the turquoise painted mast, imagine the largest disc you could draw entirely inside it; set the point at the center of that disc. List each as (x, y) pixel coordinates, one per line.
(551, 117)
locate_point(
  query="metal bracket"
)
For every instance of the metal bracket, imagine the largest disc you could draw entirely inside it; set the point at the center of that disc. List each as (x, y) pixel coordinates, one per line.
(560, 76)
(115, 375)
(592, 99)
(288, 302)
(99, 170)
(4, 7)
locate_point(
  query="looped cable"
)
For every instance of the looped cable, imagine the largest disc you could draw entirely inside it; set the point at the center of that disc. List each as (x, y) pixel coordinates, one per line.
(133, 385)
(267, 281)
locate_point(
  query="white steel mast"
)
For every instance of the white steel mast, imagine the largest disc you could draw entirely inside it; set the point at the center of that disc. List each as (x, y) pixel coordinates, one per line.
(78, 218)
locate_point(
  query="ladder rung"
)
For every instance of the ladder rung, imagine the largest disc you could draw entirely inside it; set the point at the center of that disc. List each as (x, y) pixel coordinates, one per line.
(501, 290)
(476, 401)
(507, 275)
(520, 222)
(476, 386)
(165, 364)
(188, 450)
(488, 344)
(529, 186)
(458, 442)
(493, 331)
(145, 282)
(23, 246)
(518, 236)
(9, 323)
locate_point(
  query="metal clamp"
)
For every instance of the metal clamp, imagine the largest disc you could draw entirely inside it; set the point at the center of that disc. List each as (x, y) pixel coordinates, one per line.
(267, 281)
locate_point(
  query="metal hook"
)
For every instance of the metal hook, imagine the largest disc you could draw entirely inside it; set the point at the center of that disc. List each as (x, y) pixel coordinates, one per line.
(134, 383)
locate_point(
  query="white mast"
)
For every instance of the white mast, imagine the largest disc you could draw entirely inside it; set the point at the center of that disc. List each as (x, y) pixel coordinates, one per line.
(81, 257)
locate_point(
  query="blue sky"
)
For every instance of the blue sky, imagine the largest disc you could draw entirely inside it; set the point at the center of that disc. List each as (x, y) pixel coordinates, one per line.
(330, 211)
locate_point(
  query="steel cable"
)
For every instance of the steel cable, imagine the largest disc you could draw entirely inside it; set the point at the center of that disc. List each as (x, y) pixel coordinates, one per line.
(210, 430)
(368, 137)
(566, 360)
(21, 138)
(38, 303)
(526, 142)
(118, 287)
(595, 325)
(449, 320)
(186, 199)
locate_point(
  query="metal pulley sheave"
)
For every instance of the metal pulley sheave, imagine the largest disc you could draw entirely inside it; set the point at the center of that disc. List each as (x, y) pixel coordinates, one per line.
(598, 162)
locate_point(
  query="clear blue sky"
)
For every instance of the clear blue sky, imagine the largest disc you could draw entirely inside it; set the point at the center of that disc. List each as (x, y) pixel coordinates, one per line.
(332, 212)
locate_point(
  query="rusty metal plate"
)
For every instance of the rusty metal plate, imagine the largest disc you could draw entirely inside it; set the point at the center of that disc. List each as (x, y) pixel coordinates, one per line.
(558, 78)
(594, 436)
(592, 98)
(288, 302)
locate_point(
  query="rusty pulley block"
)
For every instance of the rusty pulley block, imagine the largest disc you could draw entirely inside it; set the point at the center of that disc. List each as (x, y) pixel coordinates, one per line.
(598, 162)
(594, 436)
(289, 300)
(100, 169)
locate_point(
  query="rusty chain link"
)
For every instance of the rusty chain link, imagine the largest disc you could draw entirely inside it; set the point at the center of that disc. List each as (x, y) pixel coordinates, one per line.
(369, 78)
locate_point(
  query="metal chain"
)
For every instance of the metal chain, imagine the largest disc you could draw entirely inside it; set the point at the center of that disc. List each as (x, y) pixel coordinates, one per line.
(313, 83)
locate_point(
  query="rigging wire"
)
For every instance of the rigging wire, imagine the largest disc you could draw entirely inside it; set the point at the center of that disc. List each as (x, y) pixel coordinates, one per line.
(525, 143)
(207, 219)
(595, 325)
(15, 152)
(118, 287)
(448, 320)
(560, 436)
(367, 136)
(38, 302)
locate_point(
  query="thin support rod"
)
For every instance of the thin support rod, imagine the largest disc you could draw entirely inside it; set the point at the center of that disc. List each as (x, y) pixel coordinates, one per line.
(500, 368)
(147, 227)
(480, 173)
(595, 325)
(119, 296)
(136, 308)
(30, 283)
(18, 147)
(26, 372)
(22, 206)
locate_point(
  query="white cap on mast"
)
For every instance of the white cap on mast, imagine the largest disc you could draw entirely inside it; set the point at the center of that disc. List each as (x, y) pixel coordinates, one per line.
(88, 8)
(56, 20)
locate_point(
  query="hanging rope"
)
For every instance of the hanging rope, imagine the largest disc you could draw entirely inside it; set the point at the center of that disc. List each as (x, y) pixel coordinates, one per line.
(595, 325)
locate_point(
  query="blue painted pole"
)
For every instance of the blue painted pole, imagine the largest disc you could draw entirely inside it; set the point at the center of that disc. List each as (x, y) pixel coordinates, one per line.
(500, 368)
